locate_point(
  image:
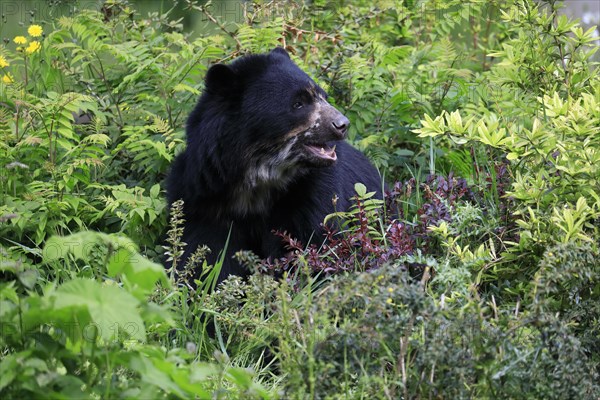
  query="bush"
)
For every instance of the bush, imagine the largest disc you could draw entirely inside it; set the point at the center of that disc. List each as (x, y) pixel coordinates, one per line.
(475, 278)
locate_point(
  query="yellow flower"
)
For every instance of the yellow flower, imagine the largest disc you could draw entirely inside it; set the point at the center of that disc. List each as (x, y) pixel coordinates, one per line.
(391, 290)
(20, 40)
(389, 301)
(35, 30)
(7, 79)
(3, 62)
(33, 47)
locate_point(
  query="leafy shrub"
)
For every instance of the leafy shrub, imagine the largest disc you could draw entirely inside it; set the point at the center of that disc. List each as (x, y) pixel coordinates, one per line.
(476, 278)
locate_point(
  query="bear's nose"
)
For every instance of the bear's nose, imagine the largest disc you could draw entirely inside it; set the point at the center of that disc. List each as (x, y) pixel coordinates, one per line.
(341, 125)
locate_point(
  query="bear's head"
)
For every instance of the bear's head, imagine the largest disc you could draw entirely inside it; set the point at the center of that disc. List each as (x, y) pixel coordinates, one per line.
(282, 116)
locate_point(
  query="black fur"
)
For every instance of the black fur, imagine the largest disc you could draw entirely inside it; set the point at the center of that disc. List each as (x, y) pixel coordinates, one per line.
(252, 162)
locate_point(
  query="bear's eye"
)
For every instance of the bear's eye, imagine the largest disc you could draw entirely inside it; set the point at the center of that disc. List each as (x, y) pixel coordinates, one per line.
(298, 105)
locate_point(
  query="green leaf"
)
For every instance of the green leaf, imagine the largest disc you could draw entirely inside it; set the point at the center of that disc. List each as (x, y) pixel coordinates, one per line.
(181, 87)
(8, 368)
(339, 214)
(165, 375)
(79, 244)
(28, 277)
(155, 191)
(111, 309)
(137, 271)
(361, 190)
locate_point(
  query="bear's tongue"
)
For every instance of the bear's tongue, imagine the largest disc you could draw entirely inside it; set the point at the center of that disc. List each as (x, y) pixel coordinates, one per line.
(323, 151)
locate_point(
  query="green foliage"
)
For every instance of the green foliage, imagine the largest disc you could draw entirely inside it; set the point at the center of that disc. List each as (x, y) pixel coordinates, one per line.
(480, 281)
(553, 151)
(92, 131)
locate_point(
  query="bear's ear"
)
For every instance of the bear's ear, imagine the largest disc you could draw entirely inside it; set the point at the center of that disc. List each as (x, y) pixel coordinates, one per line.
(220, 79)
(281, 52)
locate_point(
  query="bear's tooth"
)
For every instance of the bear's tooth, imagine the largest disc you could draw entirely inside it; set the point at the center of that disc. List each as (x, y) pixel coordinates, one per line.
(322, 150)
(333, 149)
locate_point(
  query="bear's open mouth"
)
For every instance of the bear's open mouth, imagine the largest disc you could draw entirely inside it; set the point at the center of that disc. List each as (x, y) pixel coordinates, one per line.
(322, 151)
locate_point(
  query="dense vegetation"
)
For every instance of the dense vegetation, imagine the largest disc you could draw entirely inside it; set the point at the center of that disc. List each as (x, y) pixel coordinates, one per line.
(478, 277)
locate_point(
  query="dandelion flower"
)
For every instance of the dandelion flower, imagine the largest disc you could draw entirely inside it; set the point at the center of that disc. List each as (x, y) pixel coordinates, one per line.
(33, 47)
(20, 40)
(35, 30)
(7, 79)
(389, 301)
(3, 62)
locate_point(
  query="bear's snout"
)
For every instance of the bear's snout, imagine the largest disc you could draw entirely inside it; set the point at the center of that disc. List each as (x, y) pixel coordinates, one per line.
(340, 125)
(335, 121)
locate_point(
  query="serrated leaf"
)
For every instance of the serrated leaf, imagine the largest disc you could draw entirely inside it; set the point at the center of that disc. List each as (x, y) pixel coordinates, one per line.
(112, 310)
(78, 244)
(138, 271)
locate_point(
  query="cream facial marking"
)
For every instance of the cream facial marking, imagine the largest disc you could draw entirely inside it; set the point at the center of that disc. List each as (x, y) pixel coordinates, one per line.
(313, 122)
(276, 170)
(255, 195)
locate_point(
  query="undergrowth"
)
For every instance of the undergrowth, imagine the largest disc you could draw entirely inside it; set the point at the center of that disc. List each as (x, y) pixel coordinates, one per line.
(476, 277)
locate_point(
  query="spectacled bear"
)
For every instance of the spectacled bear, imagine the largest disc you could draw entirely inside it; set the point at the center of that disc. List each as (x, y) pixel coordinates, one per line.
(265, 151)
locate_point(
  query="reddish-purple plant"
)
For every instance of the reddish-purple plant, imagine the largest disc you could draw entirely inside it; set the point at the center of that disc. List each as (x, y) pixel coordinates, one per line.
(370, 238)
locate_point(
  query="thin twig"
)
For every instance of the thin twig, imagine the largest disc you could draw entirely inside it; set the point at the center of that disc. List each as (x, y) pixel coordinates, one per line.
(212, 19)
